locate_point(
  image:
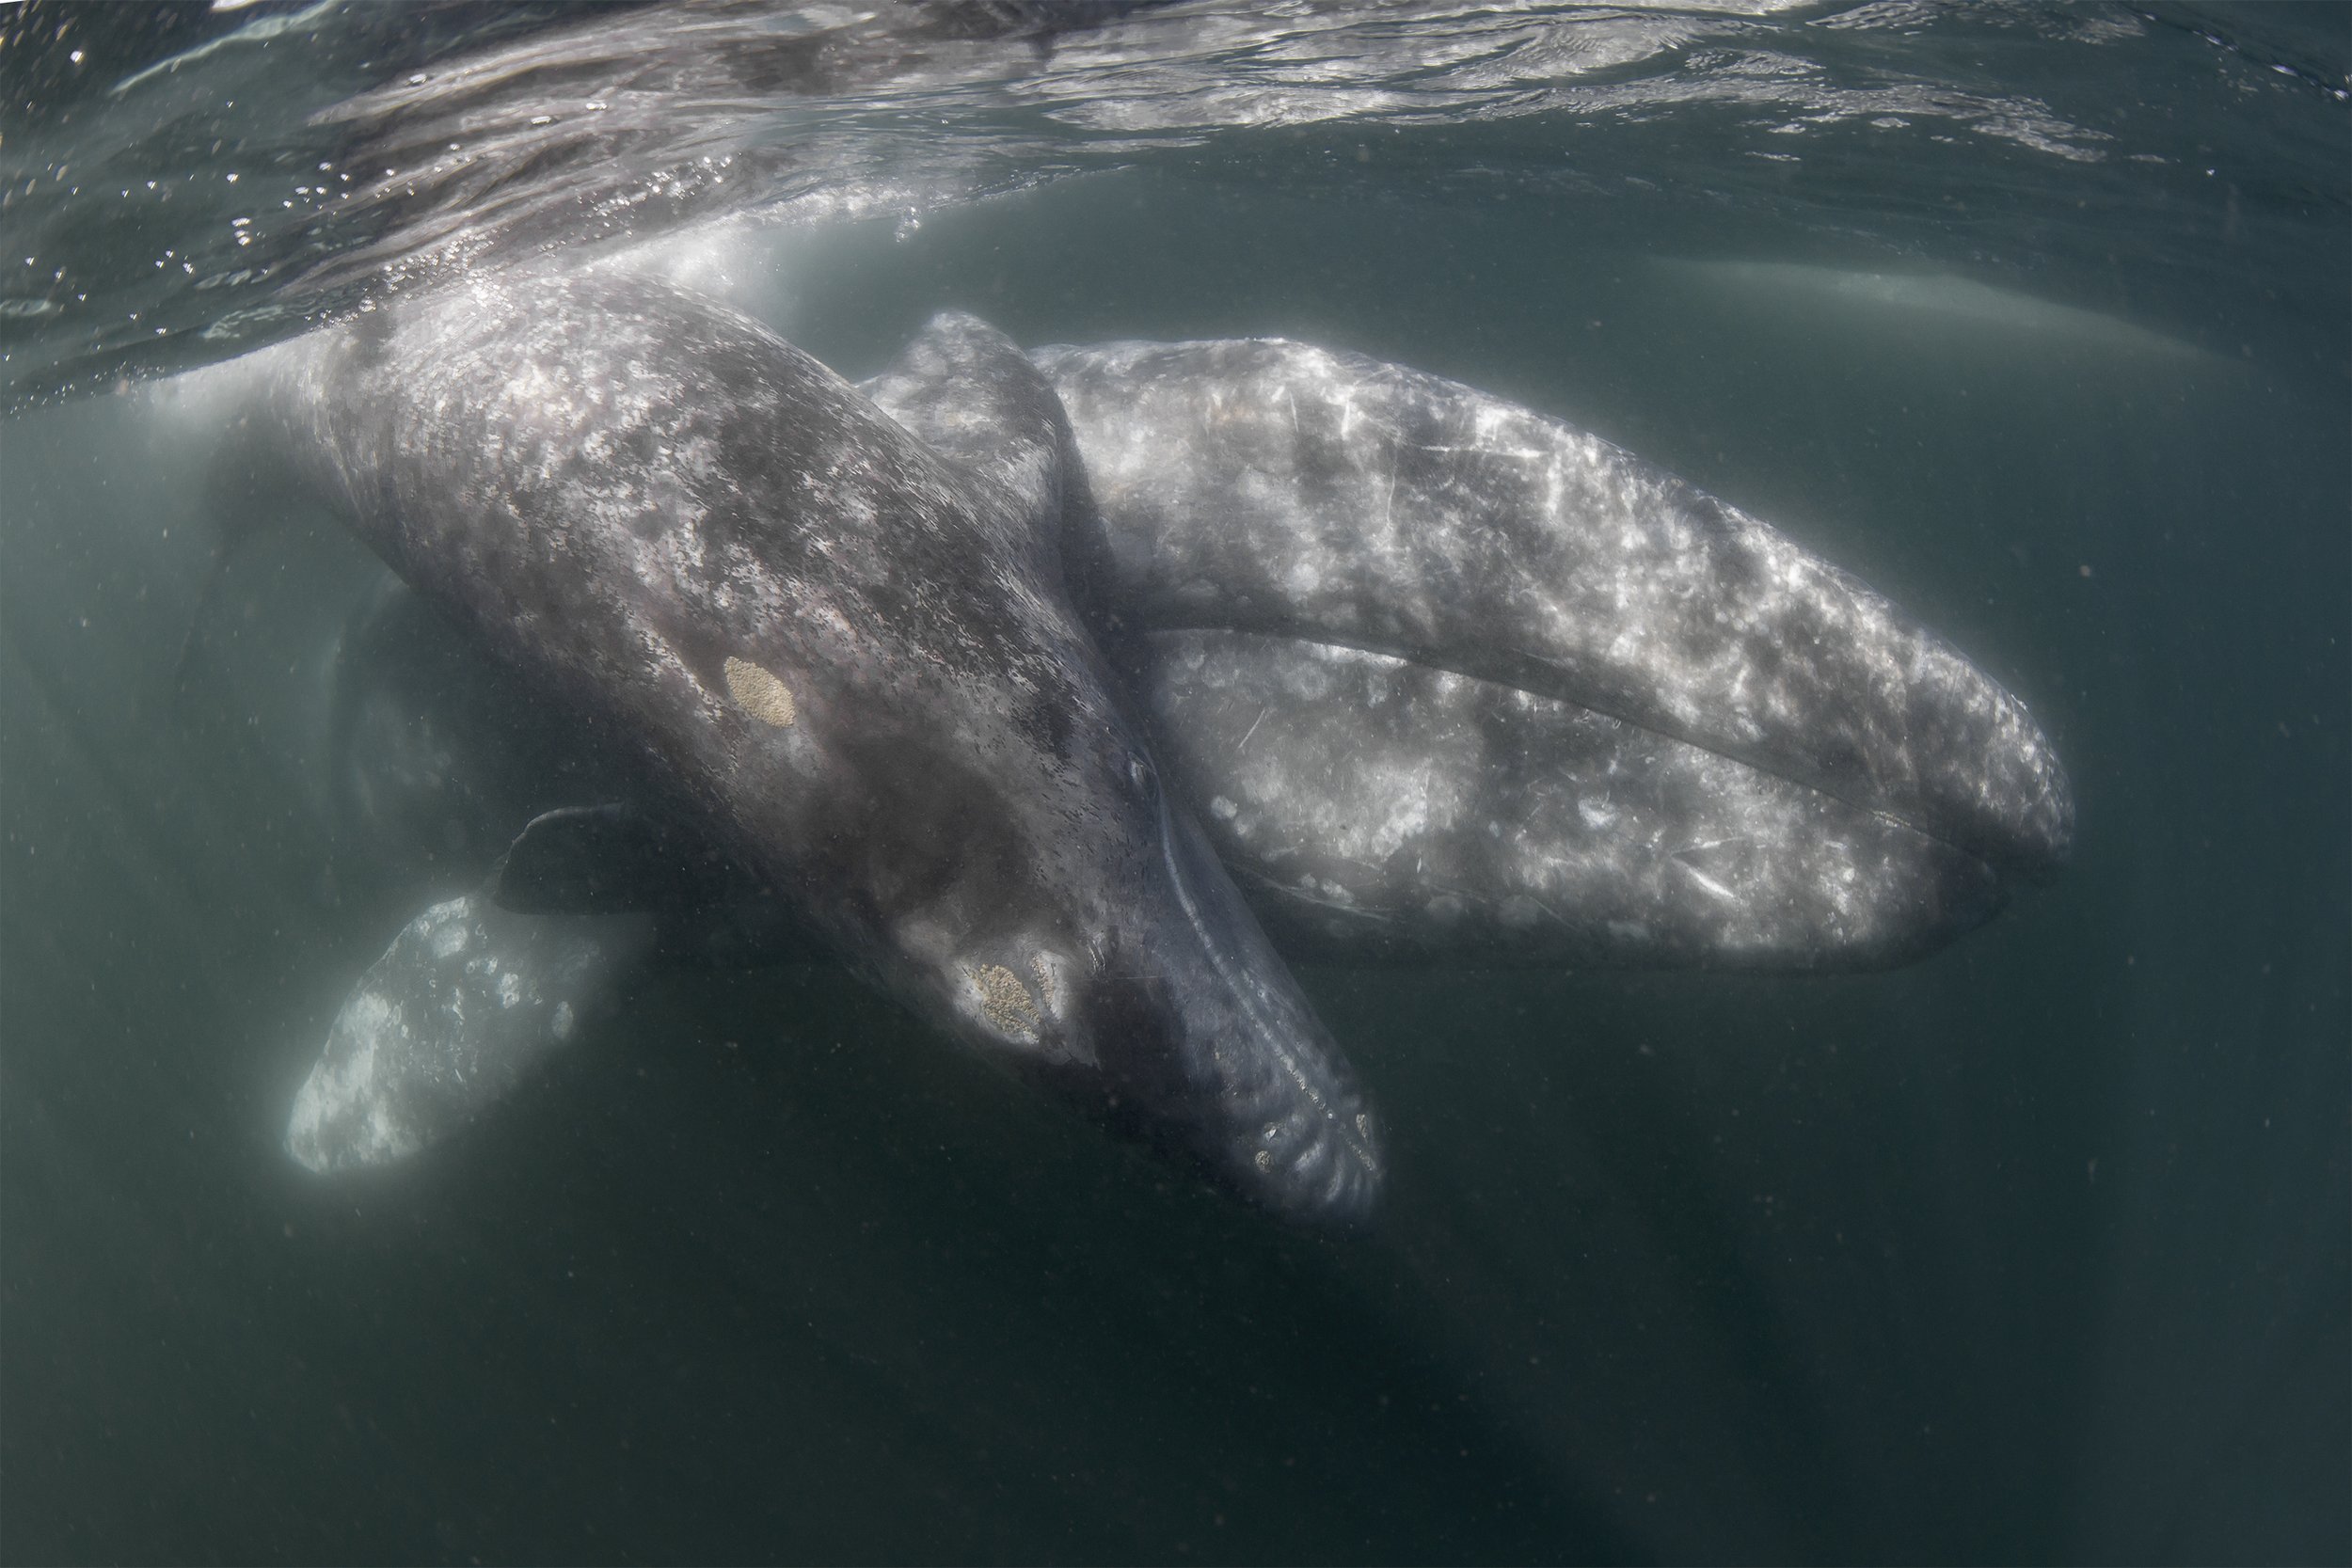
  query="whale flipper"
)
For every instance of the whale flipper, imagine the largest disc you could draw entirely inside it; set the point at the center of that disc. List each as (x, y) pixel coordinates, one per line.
(476, 990)
(463, 1004)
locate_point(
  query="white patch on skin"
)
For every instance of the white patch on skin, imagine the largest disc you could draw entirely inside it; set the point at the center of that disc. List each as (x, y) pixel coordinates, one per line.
(447, 924)
(759, 693)
(340, 1118)
(564, 1023)
(510, 988)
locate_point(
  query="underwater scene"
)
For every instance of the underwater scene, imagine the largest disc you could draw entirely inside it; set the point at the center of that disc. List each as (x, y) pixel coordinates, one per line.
(1073, 781)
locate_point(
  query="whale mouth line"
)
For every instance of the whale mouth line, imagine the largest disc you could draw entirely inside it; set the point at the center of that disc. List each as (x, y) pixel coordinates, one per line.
(2002, 867)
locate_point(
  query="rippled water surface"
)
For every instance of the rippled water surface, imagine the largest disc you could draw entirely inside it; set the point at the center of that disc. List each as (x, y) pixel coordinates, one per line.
(2035, 318)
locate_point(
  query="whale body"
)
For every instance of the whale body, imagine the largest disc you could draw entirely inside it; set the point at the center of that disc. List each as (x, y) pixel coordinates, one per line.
(1455, 680)
(843, 666)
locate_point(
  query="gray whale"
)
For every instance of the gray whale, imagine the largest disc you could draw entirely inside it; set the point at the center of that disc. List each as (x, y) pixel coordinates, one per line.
(846, 664)
(1458, 681)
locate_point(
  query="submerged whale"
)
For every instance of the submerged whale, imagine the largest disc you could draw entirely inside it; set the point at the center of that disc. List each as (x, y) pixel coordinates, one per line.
(1455, 679)
(845, 677)
(1448, 682)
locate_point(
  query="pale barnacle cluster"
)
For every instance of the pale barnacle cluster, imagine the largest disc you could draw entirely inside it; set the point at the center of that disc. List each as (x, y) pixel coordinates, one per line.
(1004, 1000)
(759, 693)
(1017, 1010)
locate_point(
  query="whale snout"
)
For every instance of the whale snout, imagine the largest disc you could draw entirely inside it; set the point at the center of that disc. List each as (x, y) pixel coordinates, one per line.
(2033, 835)
(1315, 1169)
(1269, 1104)
(1938, 743)
(1166, 1014)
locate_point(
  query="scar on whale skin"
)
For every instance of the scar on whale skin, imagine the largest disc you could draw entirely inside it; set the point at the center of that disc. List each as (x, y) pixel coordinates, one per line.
(759, 693)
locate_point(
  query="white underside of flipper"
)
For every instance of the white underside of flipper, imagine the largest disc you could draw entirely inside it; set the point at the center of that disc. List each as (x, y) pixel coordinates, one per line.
(466, 1002)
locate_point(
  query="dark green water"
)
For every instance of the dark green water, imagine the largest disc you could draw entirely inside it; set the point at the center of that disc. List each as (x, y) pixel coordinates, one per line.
(2038, 1250)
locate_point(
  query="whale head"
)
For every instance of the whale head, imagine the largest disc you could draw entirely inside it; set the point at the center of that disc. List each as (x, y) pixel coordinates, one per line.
(977, 824)
(1073, 927)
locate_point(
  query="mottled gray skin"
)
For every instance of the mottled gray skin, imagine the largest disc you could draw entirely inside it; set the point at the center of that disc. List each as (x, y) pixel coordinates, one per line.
(1273, 488)
(1371, 809)
(462, 1008)
(1375, 809)
(850, 667)
(969, 393)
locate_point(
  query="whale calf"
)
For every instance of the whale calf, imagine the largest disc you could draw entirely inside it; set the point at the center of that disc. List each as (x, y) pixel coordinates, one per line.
(848, 667)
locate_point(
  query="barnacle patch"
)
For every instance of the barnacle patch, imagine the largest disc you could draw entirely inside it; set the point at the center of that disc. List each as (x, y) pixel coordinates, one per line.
(1005, 1000)
(759, 693)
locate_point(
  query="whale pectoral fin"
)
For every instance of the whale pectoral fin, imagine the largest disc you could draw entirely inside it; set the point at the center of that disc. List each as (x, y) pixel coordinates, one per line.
(468, 999)
(611, 860)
